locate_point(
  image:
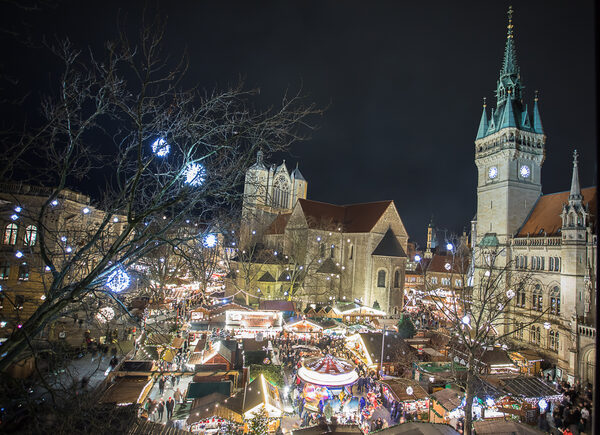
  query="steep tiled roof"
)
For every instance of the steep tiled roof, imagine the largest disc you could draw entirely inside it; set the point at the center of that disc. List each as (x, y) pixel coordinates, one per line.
(545, 216)
(389, 246)
(354, 218)
(458, 264)
(279, 223)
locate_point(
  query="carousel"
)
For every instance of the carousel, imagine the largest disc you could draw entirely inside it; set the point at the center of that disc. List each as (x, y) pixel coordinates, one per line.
(327, 382)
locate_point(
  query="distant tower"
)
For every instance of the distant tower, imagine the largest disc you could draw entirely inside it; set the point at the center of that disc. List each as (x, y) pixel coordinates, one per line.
(431, 240)
(575, 218)
(509, 152)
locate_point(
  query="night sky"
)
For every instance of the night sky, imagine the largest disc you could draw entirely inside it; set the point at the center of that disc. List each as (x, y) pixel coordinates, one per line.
(403, 84)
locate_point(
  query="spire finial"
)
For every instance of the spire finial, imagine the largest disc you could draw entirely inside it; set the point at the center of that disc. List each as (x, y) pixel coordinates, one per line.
(537, 95)
(510, 24)
(484, 102)
(575, 194)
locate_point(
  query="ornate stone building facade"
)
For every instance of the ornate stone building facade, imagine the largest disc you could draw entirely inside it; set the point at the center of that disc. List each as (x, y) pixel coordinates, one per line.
(550, 237)
(269, 191)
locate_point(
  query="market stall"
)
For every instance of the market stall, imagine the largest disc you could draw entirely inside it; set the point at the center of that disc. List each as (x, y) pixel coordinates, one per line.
(528, 361)
(302, 328)
(413, 398)
(248, 324)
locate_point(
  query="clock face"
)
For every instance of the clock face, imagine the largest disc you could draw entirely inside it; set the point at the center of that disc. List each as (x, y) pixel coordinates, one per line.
(525, 171)
(493, 172)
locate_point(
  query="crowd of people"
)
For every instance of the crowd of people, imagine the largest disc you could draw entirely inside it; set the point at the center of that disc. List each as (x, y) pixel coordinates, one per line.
(573, 415)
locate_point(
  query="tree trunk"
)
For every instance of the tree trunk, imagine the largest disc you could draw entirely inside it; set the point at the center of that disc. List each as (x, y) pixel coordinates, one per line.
(470, 393)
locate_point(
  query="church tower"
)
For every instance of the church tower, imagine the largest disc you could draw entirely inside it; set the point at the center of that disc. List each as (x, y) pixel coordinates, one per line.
(509, 152)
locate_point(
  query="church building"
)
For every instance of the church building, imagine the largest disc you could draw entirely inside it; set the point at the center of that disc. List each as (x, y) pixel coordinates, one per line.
(551, 237)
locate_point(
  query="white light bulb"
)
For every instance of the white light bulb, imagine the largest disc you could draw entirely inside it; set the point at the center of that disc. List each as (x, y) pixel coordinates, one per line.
(449, 246)
(54, 203)
(18, 254)
(69, 249)
(115, 219)
(466, 320)
(417, 258)
(63, 239)
(85, 210)
(14, 217)
(18, 209)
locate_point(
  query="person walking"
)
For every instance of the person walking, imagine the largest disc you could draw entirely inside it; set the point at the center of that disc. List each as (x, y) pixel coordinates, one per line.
(170, 406)
(161, 385)
(161, 409)
(177, 395)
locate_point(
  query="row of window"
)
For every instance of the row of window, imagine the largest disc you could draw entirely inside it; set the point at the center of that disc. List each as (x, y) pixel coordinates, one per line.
(445, 281)
(381, 279)
(537, 263)
(535, 336)
(5, 271)
(11, 232)
(537, 299)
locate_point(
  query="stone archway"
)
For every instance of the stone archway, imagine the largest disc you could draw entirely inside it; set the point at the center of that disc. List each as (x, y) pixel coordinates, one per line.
(587, 364)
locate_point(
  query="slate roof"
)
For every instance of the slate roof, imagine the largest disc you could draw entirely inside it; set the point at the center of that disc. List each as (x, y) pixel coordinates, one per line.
(545, 216)
(275, 305)
(389, 246)
(419, 428)
(201, 389)
(353, 218)
(448, 398)
(279, 223)
(526, 386)
(499, 427)
(393, 341)
(126, 389)
(266, 277)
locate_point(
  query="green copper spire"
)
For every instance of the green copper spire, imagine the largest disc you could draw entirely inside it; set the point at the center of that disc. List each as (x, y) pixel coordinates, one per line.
(508, 115)
(483, 124)
(510, 74)
(537, 120)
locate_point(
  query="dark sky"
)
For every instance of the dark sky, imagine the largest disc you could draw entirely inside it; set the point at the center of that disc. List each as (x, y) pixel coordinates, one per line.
(403, 82)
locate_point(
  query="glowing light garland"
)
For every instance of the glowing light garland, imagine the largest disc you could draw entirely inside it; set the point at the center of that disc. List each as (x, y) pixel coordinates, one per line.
(118, 280)
(160, 147)
(194, 174)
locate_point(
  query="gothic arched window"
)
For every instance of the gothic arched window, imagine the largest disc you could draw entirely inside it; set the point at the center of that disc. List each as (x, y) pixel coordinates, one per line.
(551, 339)
(10, 234)
(281, 193)
(30, 235)
(537, 302)
(397, 279)
(381, 278)
(555, 300)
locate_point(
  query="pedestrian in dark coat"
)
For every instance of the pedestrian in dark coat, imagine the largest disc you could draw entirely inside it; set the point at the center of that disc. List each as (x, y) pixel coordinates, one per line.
(160, 409)
(170, 406)
(161, 385)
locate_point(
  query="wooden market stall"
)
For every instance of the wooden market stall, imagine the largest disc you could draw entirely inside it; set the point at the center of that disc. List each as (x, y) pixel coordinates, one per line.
(411, 394)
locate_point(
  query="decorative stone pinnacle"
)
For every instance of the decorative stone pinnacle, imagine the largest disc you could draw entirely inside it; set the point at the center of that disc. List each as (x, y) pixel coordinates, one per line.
(484, 102)
(575, 156)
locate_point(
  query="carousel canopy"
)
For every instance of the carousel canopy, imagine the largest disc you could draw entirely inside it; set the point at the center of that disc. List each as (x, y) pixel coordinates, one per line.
(328, 371)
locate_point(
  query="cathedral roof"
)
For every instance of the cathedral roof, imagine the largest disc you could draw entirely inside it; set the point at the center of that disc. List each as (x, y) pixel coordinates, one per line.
(354, 218)
(279, 223)
(389, 246)
(297, 174)
(545, 216)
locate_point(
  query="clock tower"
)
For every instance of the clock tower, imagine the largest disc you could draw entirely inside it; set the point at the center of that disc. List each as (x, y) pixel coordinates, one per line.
(509, 152)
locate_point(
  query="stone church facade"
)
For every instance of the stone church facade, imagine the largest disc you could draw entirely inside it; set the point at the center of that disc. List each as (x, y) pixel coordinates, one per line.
(316, 252)
(551, 237)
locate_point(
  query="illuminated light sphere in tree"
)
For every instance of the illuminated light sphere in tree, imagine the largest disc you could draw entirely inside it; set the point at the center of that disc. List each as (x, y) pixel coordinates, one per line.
(417, 257)
(160, 147)
(14, 217)
(449, 246)
(194, 174)
(18, 254)
(105, 314)
(18, 209)
(85, 210)
(510, 294)
(54, 203)
(466, 320)
(547, 325)
(210, 241)
(118, 280)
